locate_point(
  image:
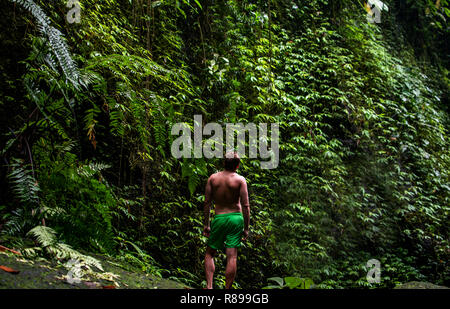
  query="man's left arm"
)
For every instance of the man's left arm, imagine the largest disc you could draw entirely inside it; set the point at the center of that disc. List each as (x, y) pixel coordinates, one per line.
(245, 207)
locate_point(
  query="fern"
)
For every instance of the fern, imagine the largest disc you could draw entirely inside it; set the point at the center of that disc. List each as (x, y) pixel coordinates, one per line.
(194, 172)
(24, 185)
(91, 169)
(47, 239)
(17, 223)
(90, 122)
(45, 235)
(116, 117)
(124, 66)
(56, 41)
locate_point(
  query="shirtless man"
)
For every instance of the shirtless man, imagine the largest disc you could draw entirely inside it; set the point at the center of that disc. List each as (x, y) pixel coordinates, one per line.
(228, 190)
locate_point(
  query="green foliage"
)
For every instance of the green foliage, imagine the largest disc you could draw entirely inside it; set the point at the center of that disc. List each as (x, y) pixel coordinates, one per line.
(55, 40)
(23, 184)
(290, 283)
(85, 201)
(194, 172)
(47, 241)
(133, 255)
(362, 108)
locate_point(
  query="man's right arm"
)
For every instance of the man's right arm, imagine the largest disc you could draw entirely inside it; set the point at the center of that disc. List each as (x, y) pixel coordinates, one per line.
(207, 208)
(245, 206)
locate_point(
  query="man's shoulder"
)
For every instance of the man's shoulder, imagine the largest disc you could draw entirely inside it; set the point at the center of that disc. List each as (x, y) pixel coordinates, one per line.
(234, 175)
(240, 177)
(212, 176)
(215, 174)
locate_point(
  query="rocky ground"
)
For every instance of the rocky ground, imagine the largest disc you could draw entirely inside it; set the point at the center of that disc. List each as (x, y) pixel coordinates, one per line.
(419, 285)
(19, 273)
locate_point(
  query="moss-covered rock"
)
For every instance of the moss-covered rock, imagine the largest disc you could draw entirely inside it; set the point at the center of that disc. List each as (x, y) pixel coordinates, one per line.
(43, 274)
(419, 285)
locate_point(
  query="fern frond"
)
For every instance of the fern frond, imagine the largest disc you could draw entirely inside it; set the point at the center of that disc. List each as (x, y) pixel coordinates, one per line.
(193, 182)
(24, 186)
(52, 212)
(31, 252)
(61, 51)
(116, 116)
(17, 222)
(90, 122)
(56, 41)
(92, 168)
(64, 251)
(35, 10)
(45, 235)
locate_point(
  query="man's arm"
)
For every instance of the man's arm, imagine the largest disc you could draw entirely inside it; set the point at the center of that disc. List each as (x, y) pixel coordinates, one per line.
(245, 206)
(207, 208)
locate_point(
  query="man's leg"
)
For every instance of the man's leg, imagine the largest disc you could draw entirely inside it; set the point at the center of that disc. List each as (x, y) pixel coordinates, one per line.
(209, 266)
(230, 271)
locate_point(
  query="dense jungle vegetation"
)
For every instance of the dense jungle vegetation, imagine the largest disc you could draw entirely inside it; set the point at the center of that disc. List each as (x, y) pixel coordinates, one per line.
(363, 108)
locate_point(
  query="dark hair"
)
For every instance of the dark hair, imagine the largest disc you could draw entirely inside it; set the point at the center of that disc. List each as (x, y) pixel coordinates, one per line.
(231, 161)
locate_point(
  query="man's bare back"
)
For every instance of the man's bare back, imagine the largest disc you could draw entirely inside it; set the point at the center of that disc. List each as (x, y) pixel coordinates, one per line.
(226, 192)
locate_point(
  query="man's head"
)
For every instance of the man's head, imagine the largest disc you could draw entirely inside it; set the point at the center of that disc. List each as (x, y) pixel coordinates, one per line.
(231, 162)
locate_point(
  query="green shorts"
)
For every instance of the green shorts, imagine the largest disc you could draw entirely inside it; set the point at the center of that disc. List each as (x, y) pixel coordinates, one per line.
(226, 231)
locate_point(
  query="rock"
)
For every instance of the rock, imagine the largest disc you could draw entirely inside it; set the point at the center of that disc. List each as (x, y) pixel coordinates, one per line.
(43, 274)
(419, 285)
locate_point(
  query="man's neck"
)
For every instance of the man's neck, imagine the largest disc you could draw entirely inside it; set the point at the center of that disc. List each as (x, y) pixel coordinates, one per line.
(229, 172)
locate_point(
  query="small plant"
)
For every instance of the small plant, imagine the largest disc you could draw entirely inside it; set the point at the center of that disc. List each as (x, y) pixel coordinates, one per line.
(48, 245)
(290, 283)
